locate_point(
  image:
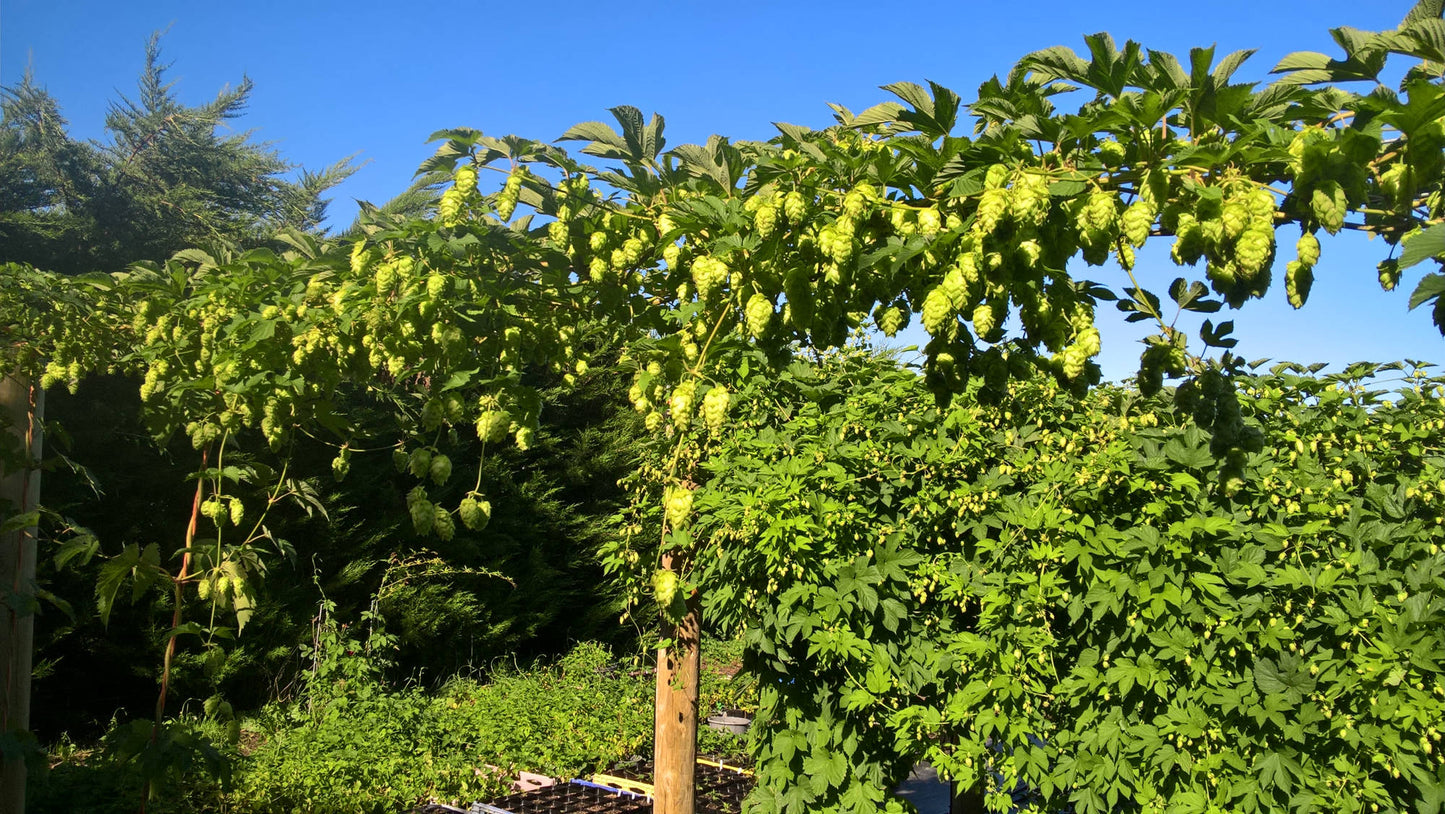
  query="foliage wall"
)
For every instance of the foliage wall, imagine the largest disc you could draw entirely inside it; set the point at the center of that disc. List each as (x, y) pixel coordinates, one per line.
(1076, 603)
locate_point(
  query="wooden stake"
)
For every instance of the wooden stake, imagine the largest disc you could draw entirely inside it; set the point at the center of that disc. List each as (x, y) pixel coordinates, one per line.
(675, 746)
(23, 405)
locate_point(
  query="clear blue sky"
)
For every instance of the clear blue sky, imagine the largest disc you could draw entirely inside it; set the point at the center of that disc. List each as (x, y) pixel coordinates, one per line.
(334, 79)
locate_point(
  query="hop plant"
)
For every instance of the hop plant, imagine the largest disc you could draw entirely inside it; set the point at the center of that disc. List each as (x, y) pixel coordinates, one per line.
(1389, 273)
(986, 319)
(1112, 153)
(1235, 217)
(1255, 247)
(341, 464)
(465, 177)
(440, 469)
(715, 409)
(442, 523)
(664, 587)
(795, 208)
(1308, 249)
(765, 220)
(423, 516)
(420, 462)
(436, 285)
(557, 232)
(361, 258)
(1189, 242)
(1137, 221)
(1328, 205)
(511, 191)
(1030, 201)
(708, 276)
(937, 309)
(492, 425)
(1074, 361)
(213, 508)
(929, 221)
(680, 404)
(475, 511)
(449, 208)
(677, 503)
(423, 513)
(1102, 211)
(1298, 278)
(889, 320)
(993, 205)
(759, 312)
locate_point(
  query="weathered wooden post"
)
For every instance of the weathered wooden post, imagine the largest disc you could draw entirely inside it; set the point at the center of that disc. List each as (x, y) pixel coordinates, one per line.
(22, 408)
(674, 757)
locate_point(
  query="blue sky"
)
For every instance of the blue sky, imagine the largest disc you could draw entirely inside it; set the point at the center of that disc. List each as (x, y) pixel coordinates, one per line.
(376, 79)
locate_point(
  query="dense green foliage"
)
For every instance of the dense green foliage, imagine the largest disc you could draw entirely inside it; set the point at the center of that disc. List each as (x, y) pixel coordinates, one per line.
(353, 742)
(169, 178)
(526, 585)
(1078, 599)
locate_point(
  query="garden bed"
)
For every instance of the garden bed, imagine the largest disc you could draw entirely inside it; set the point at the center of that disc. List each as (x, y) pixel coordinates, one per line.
(622, 789)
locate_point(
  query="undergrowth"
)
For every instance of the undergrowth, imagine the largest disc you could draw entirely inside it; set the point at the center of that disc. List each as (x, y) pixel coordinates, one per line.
(351, 742)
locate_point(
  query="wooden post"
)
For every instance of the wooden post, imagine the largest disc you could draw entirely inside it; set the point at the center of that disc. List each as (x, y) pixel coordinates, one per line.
(674, 757)
(23, 406)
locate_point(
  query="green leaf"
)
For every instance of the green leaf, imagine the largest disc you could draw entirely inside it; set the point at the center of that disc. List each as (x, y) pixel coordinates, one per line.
(1426, 245)
(1423, 11)
(1431, 287)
